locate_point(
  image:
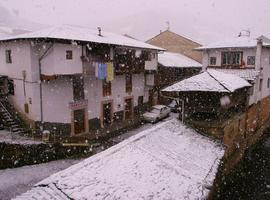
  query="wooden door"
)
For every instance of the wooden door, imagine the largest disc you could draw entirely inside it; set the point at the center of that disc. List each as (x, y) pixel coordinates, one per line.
(128, 108)
(79, 121)
(107, 113)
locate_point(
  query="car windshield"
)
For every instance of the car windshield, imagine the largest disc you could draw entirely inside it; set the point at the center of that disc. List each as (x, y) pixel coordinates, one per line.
(156, 111)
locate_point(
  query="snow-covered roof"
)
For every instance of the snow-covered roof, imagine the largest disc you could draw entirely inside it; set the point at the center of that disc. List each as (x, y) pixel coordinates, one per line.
(209, 81)
(167, 161)
(169, 59)
(238, 42)
(247, 74)
(76, 33)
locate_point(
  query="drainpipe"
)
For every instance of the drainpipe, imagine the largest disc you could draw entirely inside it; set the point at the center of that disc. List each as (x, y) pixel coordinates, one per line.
(40, 85)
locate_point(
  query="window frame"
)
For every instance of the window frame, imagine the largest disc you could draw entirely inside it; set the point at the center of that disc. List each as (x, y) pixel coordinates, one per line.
(230, 58)
(213, 58)
(128, 79)
(106, 88)
(69, 54)
(249, 60)
(8, 53)
(140, 100)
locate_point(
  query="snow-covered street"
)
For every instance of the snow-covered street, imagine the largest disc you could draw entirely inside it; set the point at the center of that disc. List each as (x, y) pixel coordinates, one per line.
(143, 166)
(18, 180)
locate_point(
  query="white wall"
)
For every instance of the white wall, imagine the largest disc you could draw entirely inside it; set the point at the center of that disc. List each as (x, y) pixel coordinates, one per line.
(217, 53)
(93, 91)
(57, 95)
(21, 60)
(55, 62)
(265, 71)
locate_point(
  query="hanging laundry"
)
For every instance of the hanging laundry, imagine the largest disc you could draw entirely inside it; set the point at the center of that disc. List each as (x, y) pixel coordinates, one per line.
(102, 71)
(110, 72)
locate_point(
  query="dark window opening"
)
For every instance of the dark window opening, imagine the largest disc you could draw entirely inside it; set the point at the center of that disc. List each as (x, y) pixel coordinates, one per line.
(107, 88)
(78, 88)
(69, 55)
(251, 60)
(8, 56)
(213, 60)
(140, 101)
(128, 83)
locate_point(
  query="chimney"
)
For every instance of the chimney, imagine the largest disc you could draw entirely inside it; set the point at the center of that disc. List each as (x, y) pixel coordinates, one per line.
(99, 31)
(258, 55)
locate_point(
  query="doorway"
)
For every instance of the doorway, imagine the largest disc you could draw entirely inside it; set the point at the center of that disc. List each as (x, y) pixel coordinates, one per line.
(128, 108)
(79, 121)
(107, 113)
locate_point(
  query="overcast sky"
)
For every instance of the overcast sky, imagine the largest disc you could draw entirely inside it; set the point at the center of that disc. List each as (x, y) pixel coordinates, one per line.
(202, 20)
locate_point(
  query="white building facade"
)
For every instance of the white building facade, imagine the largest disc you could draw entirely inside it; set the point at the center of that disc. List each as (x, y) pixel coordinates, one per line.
(53, 80)
(243, 56)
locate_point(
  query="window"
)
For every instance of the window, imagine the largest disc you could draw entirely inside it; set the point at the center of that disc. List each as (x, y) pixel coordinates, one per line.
(26, 108)
(8, 56)
(140, 101)
(147, 56)
(231, 58)
(78, 88)
(251, 60)
(261, 83)
(107, 88)
(128, 83)
(213, 60)
(69, 55)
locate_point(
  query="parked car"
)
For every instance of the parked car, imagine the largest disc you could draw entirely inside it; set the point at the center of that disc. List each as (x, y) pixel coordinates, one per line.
(174, 106)
(157, 113)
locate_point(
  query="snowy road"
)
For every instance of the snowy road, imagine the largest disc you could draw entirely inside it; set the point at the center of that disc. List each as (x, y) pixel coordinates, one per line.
(17, 181)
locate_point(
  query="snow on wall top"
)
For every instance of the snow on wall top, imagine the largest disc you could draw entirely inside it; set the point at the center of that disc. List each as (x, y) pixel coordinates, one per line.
(209, 81)
(76, 33)
(247, 74)
(169, 59)
(239, 42)
(168, 161)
